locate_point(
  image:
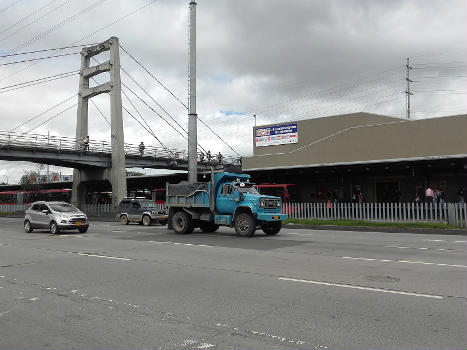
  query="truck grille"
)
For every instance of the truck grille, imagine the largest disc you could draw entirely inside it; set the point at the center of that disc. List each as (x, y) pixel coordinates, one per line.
(270, 203)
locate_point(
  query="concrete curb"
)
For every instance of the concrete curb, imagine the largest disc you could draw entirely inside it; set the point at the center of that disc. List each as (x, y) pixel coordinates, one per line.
(431, 231)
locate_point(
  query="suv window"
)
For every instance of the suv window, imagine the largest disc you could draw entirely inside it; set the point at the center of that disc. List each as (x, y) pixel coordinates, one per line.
(124, 204)
(135, 205)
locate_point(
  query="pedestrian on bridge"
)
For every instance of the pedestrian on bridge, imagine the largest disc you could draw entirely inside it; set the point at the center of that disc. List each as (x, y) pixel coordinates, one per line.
(86, 143)
(201, 156)
(219, 158)
(209, 156)
(141, 149)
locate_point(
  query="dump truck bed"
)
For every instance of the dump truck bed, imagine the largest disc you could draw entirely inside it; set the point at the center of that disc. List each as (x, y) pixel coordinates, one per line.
(188, 195)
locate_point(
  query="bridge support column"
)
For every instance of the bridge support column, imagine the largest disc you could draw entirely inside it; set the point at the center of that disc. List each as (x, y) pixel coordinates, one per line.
(117, 173)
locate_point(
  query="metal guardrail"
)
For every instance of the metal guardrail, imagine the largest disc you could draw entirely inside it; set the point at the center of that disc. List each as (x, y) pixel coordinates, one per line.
(10, 139)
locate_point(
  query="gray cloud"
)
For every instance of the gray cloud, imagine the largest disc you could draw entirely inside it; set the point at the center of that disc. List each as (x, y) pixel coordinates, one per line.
(282, 60)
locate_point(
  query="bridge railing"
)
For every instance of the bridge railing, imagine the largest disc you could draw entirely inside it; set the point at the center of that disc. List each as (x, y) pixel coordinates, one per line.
(11, 139)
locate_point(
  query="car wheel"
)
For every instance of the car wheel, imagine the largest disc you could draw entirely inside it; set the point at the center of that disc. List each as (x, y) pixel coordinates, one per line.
(83, 230)
(271, 228)
(182, 222)
(245, 225)
(27, 226)
(124, 220)
(54, 228)
(146, 220)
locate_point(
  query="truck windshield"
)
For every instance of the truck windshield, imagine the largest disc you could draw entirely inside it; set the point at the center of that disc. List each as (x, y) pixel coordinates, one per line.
(247, 189)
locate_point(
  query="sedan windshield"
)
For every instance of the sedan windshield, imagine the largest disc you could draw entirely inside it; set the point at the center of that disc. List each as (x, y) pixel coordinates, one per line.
(63, 207)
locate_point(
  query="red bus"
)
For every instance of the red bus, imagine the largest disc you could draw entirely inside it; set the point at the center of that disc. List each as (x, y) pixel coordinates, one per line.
(27, 197)
(278, 190)
(159, 195)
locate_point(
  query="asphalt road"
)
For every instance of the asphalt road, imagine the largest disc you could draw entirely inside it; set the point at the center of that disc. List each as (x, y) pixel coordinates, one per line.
(135, 287)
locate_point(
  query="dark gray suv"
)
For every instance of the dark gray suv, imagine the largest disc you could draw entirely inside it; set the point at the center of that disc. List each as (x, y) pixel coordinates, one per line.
(140, 210)
(55, 216)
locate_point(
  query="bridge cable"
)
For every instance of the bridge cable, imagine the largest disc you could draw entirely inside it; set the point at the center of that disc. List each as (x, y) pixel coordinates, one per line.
(176, 98)
(102, 114)
(145, 122)
(42, 113)
(150, 131)
(25, 84)
(53, 117)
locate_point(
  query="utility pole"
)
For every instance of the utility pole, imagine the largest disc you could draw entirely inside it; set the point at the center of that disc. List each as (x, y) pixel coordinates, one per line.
(407, 92)
(192, 116)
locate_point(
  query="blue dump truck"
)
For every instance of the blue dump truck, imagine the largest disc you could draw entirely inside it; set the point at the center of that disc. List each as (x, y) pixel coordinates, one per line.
(228, 200)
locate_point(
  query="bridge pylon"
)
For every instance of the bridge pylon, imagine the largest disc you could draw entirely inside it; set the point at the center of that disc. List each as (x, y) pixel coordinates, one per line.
(116, 174)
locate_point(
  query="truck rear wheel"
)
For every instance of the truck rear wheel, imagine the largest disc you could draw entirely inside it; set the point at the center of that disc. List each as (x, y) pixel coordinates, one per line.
(182, 222)
(208, 227)
(271, 228)
(245, 225)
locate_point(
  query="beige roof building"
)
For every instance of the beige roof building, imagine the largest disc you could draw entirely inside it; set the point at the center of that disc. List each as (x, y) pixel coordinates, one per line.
(359, 138)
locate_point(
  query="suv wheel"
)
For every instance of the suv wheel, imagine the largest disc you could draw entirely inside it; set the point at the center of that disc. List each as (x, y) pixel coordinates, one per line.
(124, 220)
(54, 228)
(27, 226)
(146, 220)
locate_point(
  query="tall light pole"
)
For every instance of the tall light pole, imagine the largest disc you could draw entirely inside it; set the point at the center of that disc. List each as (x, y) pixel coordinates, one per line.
(192, 116)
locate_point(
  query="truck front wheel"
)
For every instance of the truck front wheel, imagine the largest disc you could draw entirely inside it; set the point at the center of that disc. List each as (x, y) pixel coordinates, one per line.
(182, 222)
(271, 228)
(208, 227)
(245, 225)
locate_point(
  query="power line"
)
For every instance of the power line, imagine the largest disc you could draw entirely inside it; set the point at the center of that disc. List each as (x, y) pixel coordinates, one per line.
(10, 5)
(39, 58)
(42, 113)
(89, 35)
(27, 16)
(57, 26)
(36, 20)
(37, 81)
(45, 50)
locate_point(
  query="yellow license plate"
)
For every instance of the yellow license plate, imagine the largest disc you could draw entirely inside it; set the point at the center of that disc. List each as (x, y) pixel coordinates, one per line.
(275, 217)
(78, 223)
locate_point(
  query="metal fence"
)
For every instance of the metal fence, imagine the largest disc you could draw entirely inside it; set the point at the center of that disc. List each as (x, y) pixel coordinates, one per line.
(449, 213)
(454, 214)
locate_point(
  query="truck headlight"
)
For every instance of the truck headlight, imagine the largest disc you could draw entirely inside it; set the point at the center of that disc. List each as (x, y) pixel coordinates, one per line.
(278, 204)
(261, 203)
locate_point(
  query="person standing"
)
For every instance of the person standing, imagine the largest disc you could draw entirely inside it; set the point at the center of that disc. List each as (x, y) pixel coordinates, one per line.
(141, 149)
(86, 143)
(429, 195)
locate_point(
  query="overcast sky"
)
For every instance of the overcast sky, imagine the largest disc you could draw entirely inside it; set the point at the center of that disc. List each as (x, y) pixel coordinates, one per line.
(281, 60)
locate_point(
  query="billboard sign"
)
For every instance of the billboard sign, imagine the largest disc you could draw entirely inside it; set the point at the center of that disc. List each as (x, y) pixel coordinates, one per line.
(276, 135)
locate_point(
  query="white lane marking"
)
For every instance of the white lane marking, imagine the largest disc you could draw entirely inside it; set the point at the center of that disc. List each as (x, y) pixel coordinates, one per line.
(205, 346)
(276, 337)
(185, 244)
(422, 248)
(404, 261)
(443, 240)
(104, 256)
(391, 291)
